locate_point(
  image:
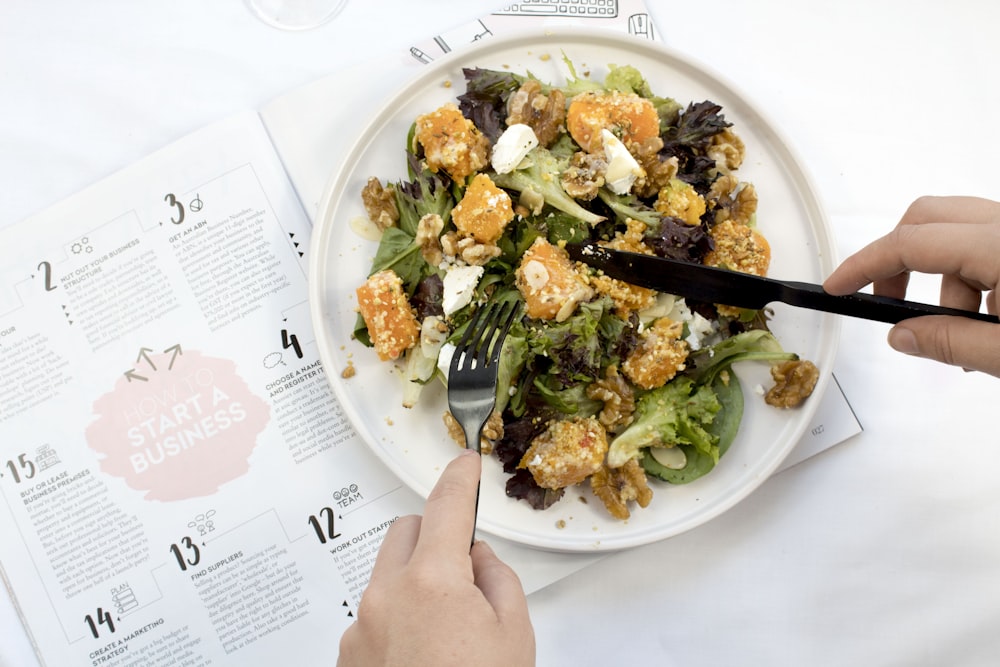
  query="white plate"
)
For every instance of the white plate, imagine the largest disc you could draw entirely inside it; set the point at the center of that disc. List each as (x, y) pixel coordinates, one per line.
(414, 444)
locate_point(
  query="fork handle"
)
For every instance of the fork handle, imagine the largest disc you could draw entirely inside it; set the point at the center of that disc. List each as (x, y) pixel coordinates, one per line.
(472, 540)
(477, 446)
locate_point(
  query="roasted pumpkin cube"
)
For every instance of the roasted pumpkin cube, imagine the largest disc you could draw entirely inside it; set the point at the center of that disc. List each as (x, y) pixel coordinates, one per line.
(391, 320)
(739, 247)
(484, 210)
(549, 282)
(451, 142)
(631, 118)
(566, 453)
(659, 356)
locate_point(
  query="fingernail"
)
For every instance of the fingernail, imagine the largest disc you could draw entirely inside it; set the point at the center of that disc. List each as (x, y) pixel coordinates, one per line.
(903, 340)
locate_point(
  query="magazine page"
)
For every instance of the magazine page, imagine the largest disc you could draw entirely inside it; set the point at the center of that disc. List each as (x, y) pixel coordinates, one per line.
(177, 484)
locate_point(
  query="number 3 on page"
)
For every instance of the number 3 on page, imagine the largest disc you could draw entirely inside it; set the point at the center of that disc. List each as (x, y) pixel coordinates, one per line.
(171, 199)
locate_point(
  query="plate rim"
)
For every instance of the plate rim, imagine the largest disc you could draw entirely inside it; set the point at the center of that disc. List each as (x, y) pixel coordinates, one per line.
(552, 38)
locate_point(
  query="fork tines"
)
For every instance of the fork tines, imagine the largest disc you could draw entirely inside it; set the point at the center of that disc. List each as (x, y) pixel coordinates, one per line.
(481, 342)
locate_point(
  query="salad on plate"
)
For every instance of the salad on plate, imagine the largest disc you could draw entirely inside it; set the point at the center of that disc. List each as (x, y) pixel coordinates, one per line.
(601, 382)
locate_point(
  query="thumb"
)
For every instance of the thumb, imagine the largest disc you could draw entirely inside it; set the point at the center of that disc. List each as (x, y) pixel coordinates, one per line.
(958, 341)
(500, 586)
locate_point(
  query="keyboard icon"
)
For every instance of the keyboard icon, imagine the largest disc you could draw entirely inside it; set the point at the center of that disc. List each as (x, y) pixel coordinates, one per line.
(604, 9)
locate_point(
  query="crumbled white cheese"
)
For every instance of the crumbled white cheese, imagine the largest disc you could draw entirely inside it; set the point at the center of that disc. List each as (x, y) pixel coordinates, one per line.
(622, 168)
(445, 354)
(679, 311)
(511, 147)
(459, 284)
(701, 329)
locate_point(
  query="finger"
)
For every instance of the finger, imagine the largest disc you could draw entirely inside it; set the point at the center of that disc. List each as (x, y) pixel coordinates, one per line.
(965, 250)
(970, 210)
(894, 286)
(350, 642)
(956, 293)
(500, 585)
(449, 513)
(958, 341)
(397, 546)
(925, 210)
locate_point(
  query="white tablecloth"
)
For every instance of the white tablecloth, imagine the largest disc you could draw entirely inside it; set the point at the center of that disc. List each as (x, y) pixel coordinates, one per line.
(884, 550)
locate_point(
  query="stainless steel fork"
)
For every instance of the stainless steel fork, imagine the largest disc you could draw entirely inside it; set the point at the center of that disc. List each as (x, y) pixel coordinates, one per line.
(472, 376)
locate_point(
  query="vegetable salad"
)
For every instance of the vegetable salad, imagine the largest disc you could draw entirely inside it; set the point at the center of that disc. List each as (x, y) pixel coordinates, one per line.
(601, 382)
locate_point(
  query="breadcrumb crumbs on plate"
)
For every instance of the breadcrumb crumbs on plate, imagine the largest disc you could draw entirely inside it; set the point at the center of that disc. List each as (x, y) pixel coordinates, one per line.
(349, 371)
(389, 422)
(545, 57)
(560, 524)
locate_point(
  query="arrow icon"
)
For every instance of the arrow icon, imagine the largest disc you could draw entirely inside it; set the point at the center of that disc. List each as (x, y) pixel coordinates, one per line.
(176, 349)
(130, 374)
(143, 355)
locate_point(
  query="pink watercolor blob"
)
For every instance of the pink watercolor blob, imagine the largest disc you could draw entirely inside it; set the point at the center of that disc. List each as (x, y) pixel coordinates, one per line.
(178, 426)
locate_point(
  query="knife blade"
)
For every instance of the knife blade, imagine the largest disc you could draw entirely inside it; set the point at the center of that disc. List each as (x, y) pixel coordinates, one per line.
(744, 290)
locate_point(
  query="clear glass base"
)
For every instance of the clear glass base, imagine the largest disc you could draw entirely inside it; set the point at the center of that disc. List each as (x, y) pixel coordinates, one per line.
(295, 14)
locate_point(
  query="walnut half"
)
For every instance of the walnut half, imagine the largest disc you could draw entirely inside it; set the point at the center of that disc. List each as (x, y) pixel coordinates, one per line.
(492, 431)
(380, 203)
(584, 176)
(618, 399)
(616, 487)
(428, 238)
(545, 114)
(794, 382)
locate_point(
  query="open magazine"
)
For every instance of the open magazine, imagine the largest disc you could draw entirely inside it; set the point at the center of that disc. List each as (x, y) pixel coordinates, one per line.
(178, 484)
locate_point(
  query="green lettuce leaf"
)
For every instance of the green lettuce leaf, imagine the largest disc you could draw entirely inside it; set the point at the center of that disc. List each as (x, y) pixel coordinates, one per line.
(678, 413)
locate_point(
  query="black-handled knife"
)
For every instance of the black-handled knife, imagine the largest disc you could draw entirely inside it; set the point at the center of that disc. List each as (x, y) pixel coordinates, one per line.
(743, 290)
